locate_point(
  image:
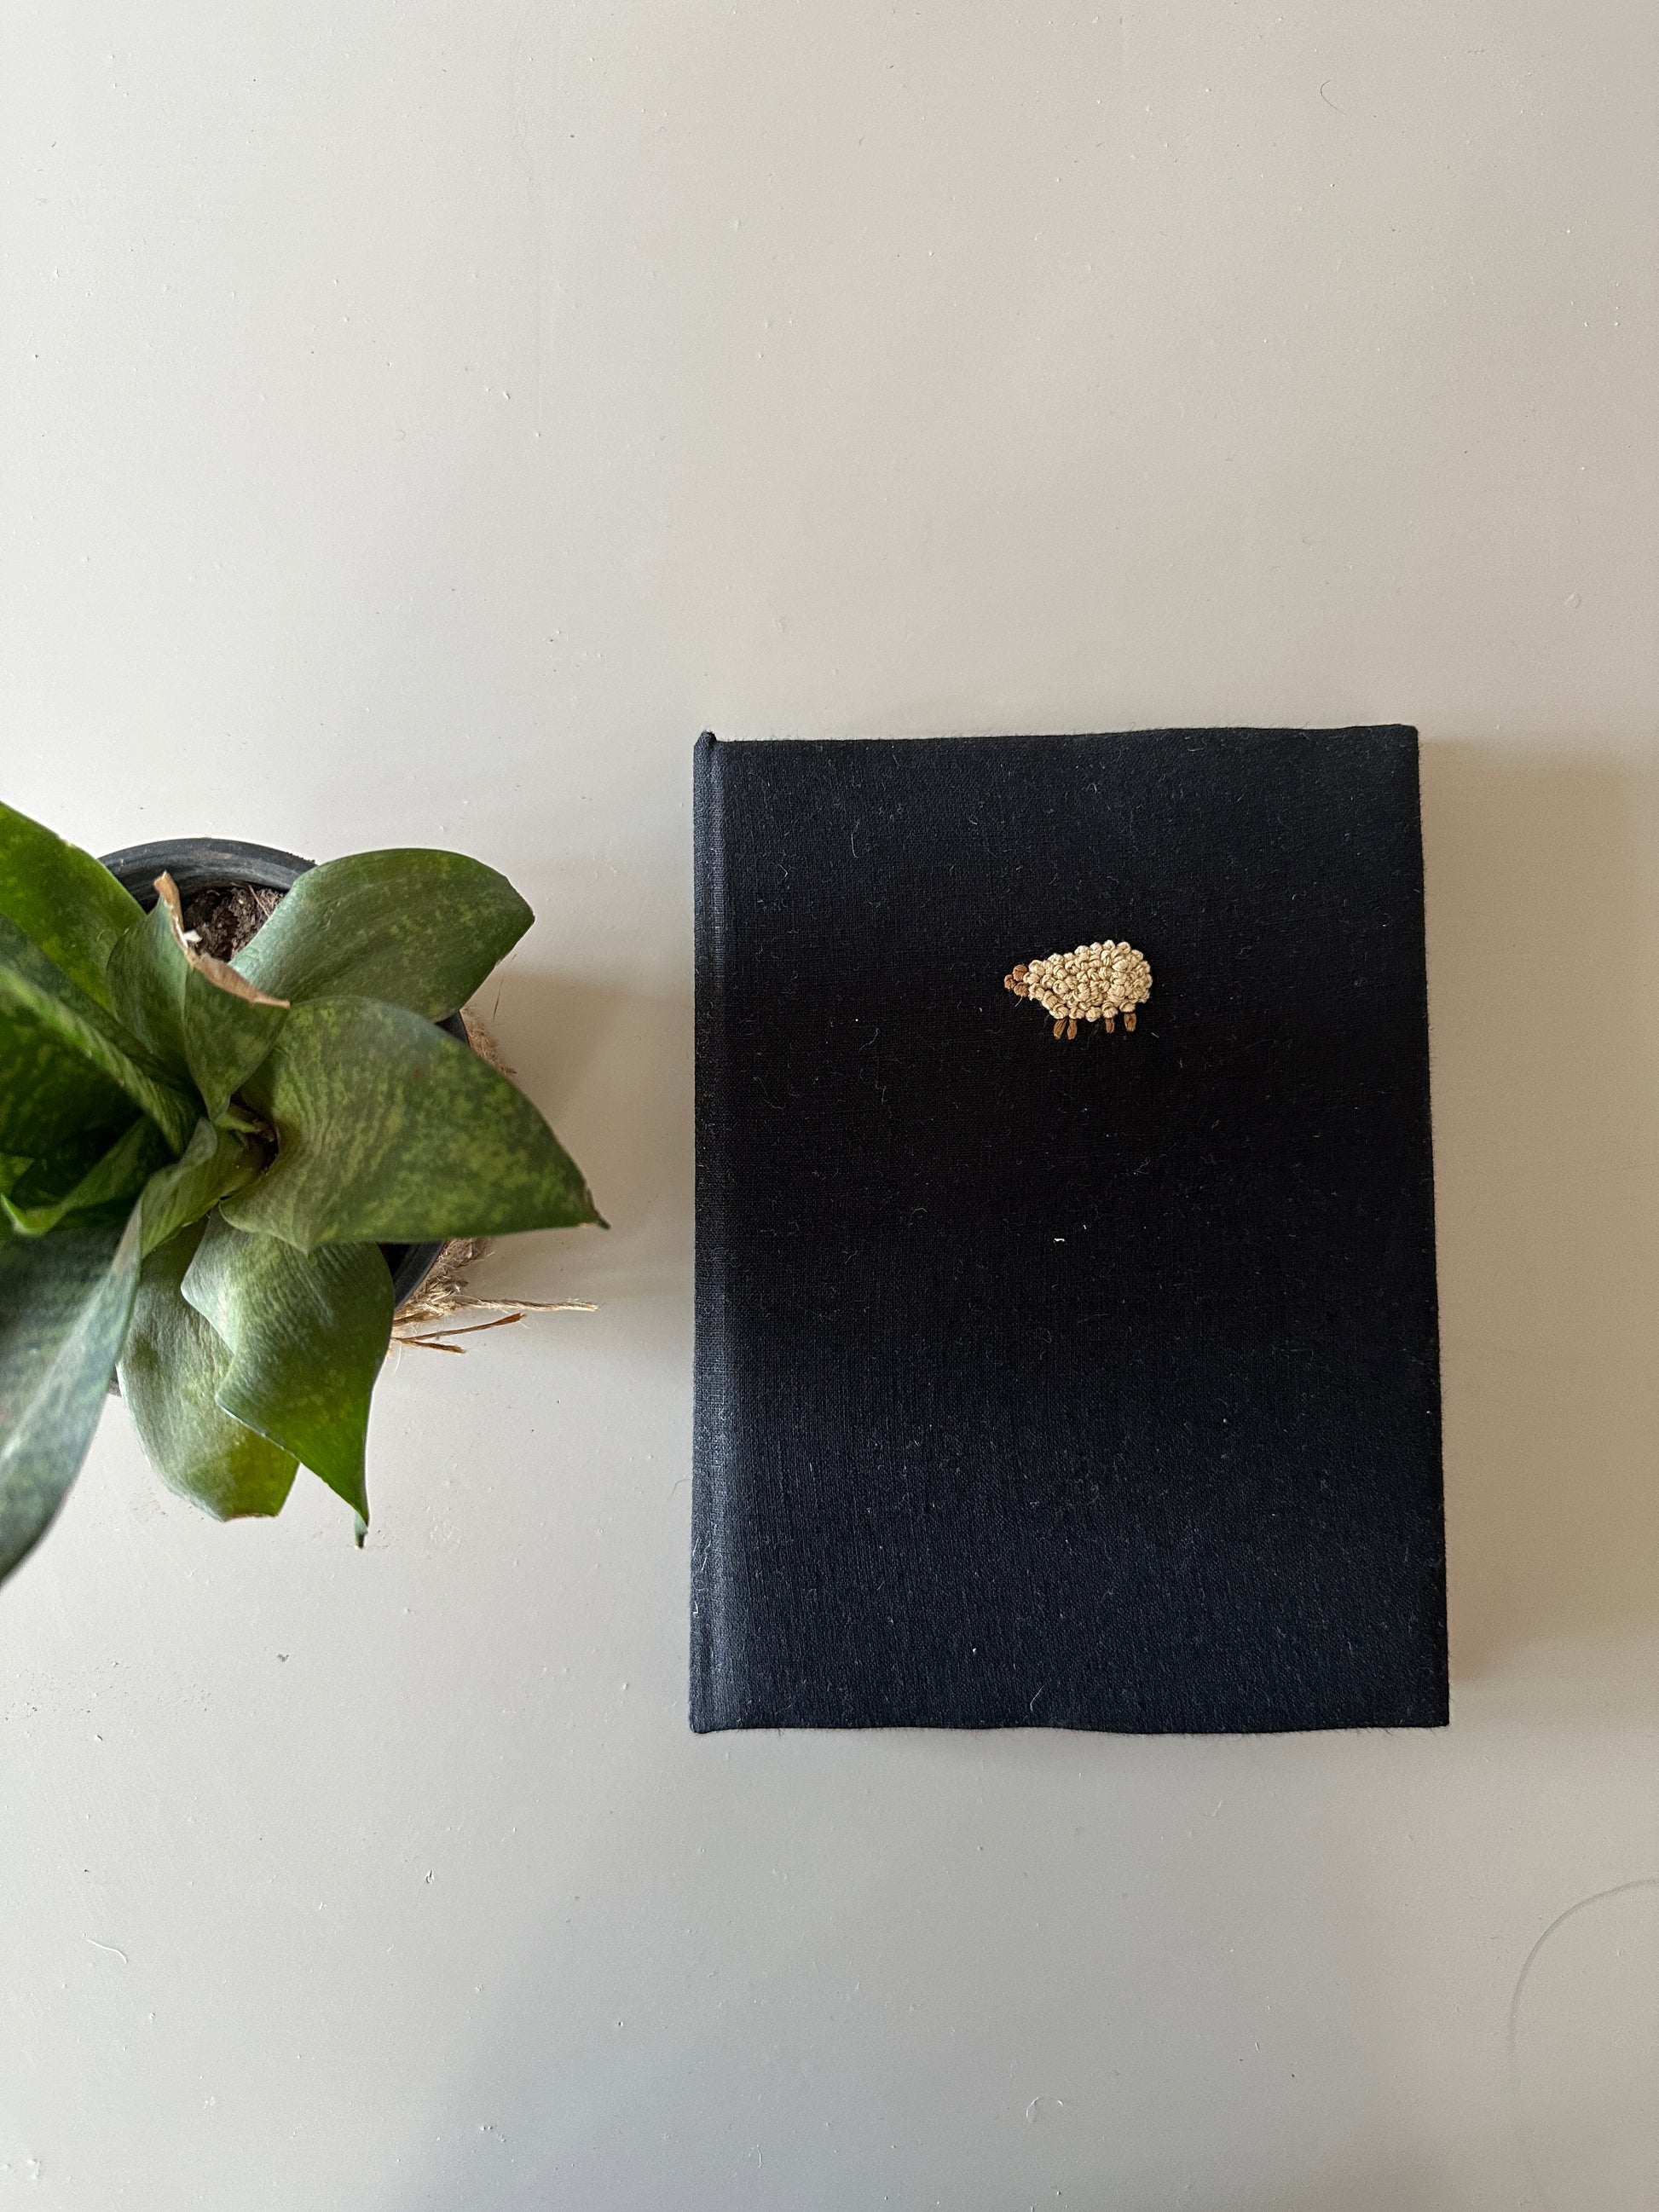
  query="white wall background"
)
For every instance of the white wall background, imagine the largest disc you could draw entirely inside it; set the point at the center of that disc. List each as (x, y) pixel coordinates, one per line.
(419, 421)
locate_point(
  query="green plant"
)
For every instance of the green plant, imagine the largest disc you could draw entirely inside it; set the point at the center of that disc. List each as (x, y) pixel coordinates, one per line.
(200, 1161)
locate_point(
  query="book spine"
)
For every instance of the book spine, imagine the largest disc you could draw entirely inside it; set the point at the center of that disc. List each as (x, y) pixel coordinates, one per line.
(711, 1391)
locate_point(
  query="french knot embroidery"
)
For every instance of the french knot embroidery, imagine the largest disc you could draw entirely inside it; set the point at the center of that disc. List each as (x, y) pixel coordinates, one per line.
(1096, 984)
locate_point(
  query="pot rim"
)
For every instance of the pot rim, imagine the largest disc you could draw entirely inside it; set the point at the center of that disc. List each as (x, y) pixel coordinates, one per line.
(196, 864)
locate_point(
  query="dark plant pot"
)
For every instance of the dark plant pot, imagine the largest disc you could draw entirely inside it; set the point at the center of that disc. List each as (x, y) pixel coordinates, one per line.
(200, 864)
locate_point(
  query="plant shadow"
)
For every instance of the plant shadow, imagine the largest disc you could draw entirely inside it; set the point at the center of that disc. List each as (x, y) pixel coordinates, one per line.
(611, 1069)
(1541, 988)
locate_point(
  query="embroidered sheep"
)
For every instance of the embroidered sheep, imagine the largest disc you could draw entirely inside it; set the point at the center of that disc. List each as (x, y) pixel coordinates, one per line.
(1096, 984)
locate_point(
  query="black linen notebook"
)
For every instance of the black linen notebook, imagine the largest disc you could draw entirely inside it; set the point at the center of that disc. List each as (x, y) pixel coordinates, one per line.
(1089, 1384)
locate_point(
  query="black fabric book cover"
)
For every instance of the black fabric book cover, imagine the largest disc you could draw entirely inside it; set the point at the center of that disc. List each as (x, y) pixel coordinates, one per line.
(1086, 1384)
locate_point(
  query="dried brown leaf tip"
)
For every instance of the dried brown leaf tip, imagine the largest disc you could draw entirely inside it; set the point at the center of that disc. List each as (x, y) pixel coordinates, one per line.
(1096, 984)
(216, 971)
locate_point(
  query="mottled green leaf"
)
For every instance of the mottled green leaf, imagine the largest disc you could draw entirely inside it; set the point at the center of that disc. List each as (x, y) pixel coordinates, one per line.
(418, 929)
(387, 1129)
(37, 1182)
(206, 1024)
(54, 1191)
(172, 1365)
(213, 1163)
(59, 896)
(49, 1096)
(146, 978)
(226, 1038)
(307, 1332)
(65, 1301)
(49, 1025)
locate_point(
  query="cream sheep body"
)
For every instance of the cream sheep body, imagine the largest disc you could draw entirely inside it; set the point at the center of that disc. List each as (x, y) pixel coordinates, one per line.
(1096, 984)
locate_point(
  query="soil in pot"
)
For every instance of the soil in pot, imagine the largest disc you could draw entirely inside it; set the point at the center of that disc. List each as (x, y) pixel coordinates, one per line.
(223, 916)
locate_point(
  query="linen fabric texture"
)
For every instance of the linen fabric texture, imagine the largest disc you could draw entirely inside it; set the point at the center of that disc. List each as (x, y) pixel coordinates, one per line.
(1090, 1385)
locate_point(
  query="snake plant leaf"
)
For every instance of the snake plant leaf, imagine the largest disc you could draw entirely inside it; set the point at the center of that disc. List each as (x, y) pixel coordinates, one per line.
(34, 1182)
(50, 1028)
(55, 1191)
(146, 977)
(50, 1097)
(64, 900)
(214, 1163)
(172, 1365)
(64, 1304)
(416, 928)
(206, 1024)
(307, 1332)
(389, 1130)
